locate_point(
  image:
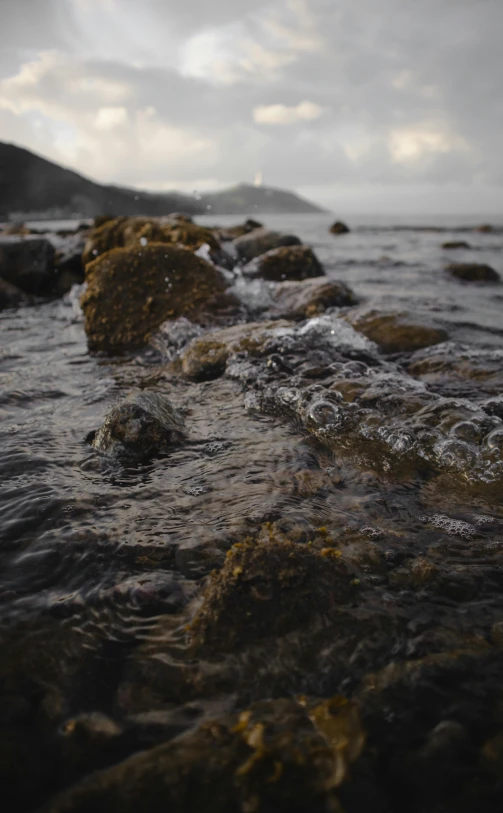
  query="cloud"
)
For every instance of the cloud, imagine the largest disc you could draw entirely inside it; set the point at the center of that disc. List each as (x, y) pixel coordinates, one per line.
(317, 94)
(282, 114)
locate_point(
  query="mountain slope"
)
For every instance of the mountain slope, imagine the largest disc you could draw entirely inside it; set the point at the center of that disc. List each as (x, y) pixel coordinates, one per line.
(30, 183)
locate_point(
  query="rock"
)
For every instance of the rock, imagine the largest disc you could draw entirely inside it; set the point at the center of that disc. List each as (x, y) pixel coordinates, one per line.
(301, 300)
(129, 231)
(285, 263)
(132, 291)
(28, 263)
(456, 244)
(206, 356)
(339, 228)
(10, 296)
(16, 229)
(261, 240)
(237, 231)
(473, 272)
(268, 589)
(396, 332)
(141, 427)
(459, 369)
(68, 263)
(278, 755)
(485, 228)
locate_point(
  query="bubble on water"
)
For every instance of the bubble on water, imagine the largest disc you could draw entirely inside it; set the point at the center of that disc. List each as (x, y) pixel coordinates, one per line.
(143, 241)
(456, 454)
(467, 431)
(495, 439)
(326, 414)
(483, 519)
(336, 331)
(398, 441)
(216, 446)
(195, 491)
(452, 527)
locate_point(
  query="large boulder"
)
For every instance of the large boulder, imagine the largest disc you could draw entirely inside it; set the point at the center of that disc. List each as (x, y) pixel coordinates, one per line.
(28, 263)
(131, 291)
(339, 228)
(473, 272)
(302, 300)
(396, 332)
(288, 262)
(128, 231)
(143, 426)
(258, 241)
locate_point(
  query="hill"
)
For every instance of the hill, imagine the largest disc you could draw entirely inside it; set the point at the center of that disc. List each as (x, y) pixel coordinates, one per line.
(30, 184)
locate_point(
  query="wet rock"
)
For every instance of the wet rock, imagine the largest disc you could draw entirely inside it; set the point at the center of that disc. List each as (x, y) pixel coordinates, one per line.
(285, 263)
(233, 232)
(396, 332)
(267, 589)
(140, 231)
(339, 228)
(10, 296)
(90, 741)
(302, 300)
(455, 244)
(143, 426)
(206, 356)
(258, 241)
(278, 755)
(454, 369)
(473, 272)
(131, 291)
(28, 263)
(485, 228)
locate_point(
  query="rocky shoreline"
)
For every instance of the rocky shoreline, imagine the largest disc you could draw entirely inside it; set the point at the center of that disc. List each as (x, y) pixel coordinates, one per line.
(328, 635)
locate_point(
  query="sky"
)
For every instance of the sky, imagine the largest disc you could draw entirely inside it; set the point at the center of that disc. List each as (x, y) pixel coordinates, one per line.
(364, 106)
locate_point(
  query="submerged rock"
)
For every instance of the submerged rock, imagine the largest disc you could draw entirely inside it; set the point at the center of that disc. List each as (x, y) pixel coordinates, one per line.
(396, 332)
(143, 426)
(458, 369)
(278, 755)
(267, 589)
(131, 291)
(473, 272)
(28, 263)
(285, 263)
(259, 241)
(455, 244)
(339, 228)
(301, 300)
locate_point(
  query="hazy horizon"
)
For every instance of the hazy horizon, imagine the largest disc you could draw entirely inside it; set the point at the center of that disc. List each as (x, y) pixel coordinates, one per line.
(395, 110)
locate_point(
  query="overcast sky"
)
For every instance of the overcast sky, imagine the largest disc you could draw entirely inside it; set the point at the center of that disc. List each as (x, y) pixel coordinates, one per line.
(362, 105)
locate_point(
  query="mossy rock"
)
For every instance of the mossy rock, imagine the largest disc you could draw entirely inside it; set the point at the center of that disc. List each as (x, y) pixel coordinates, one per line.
(268, 589)
(396, 332)
(141, 427)
(131, 291)
(473, 272)
(278, 755)
(285, 263)
(128, 231)
(232, 232)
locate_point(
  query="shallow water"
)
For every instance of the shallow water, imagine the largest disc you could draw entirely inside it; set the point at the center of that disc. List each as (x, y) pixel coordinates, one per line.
(115, 555)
